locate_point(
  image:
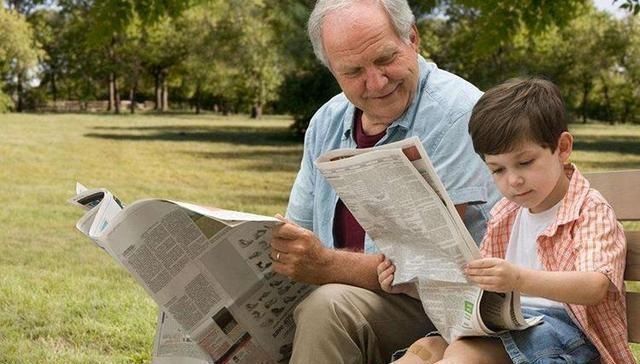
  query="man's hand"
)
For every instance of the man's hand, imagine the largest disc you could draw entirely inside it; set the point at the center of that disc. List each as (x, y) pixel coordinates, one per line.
(386, 272)
(298, 253)
(494, 274)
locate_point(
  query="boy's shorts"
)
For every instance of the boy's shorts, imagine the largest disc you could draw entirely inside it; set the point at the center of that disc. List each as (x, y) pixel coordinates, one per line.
(556, 340)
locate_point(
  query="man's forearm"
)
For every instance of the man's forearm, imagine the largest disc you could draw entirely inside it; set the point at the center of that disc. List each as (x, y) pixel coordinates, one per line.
(352, 268)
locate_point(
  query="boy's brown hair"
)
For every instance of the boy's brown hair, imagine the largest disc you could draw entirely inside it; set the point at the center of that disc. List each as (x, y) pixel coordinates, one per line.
(517, 111)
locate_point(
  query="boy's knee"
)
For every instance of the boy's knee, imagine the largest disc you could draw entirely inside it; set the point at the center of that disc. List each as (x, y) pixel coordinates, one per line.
(429, 349)
(478, 350)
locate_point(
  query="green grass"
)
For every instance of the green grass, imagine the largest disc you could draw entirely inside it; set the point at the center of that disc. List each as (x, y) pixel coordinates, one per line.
(62, 300)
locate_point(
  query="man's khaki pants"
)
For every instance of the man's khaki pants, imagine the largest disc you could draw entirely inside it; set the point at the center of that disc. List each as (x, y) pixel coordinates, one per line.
(338, 323)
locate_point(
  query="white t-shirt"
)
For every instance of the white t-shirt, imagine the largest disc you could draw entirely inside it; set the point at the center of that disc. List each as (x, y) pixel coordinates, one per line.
(522, 248)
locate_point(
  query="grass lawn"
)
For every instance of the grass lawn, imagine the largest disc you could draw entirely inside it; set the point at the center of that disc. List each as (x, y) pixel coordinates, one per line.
(64, 301)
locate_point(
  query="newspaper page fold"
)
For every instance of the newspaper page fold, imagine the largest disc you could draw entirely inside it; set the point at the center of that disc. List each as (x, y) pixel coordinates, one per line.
(209, 271)
(395, 194)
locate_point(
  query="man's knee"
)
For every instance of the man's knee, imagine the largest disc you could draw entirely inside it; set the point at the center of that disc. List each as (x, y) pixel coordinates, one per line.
(326, 303)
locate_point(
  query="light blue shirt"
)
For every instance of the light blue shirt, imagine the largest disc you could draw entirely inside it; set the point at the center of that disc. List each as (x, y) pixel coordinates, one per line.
(438, 115)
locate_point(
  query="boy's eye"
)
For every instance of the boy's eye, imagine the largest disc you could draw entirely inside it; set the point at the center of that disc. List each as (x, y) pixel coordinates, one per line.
(527, 162)
(497, 170)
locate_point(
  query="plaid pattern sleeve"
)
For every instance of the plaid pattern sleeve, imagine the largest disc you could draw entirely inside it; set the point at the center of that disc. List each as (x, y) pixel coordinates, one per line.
(600, 246)
(600, 242)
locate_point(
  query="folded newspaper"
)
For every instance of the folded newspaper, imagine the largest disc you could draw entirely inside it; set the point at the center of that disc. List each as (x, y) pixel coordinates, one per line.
(209, 271)
(394, 192)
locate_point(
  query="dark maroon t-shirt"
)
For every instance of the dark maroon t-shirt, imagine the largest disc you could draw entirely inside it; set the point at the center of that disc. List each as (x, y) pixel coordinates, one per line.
(347, 233)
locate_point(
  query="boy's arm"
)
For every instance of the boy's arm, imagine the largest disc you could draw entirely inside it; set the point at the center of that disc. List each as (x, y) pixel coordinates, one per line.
(581, 288)
(498, 275)
(386, 271)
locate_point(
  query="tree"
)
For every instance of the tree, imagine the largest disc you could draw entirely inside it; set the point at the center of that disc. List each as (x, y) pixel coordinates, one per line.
(588, 49)
(474, 38)
(307, 84)
(494, 23)
(163, 46)
(18, 55)
(208, 72)
(260, 60)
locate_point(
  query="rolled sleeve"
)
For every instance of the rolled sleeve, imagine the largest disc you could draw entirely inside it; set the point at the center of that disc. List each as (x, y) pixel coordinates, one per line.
(300, 207)
(601, 244)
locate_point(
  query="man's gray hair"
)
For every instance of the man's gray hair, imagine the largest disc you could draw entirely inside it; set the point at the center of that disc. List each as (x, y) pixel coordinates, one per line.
(399, 12)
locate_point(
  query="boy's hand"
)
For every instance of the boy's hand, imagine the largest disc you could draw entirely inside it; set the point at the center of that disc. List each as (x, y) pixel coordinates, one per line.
(494, 274)
(386, 272)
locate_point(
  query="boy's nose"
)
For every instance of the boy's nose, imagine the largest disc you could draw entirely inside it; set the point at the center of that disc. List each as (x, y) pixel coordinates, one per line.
(515, 179)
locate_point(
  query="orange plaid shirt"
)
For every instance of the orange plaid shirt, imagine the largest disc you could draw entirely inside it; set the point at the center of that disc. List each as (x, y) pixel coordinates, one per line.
(584, 237)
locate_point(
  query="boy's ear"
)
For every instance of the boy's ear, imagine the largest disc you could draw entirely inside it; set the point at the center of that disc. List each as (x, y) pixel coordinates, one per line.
(565, 146)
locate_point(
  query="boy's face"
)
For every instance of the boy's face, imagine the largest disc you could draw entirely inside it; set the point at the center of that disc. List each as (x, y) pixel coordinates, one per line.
(532, 176)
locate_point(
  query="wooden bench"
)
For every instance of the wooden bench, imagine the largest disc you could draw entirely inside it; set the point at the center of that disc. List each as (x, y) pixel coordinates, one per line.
(622, 189)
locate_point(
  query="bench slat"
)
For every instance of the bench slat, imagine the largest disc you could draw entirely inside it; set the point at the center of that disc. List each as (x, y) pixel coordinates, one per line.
(632, 271)
(621, 189)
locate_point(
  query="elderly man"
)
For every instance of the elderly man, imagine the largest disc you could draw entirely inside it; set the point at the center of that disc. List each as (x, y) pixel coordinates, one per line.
(389, 93)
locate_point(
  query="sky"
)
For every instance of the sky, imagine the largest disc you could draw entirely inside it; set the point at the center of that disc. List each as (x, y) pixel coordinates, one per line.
(609, 6)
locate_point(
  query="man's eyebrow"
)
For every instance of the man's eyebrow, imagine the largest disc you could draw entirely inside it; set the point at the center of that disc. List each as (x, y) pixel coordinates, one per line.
(387, 52)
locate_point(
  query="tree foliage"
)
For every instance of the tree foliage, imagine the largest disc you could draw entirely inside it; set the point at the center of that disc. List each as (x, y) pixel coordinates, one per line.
(18, 55)
(254, 55)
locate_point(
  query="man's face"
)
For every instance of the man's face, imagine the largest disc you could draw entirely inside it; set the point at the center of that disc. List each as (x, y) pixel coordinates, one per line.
(377, 71)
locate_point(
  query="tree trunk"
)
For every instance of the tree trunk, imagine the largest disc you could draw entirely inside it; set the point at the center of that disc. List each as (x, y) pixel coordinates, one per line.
(20, 104)
(116, 94)
(607, 102)
(165, 94)
(585, 94)
(197, 99)
(157, 76)
(112, 92)
(625, 112)
(132, 99)
(256, 111)
(54, 88)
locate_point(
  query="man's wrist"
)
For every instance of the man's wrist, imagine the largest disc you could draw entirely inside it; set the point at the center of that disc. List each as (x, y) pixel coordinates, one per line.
(326, 265)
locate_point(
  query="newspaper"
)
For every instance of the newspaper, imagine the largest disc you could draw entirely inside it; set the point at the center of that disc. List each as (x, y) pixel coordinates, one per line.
(209, 271)
(172, 345)
(394, 192)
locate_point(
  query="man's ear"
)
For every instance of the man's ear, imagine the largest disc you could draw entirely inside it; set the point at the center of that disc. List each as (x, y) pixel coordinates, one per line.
(414, 38)
(565, 146)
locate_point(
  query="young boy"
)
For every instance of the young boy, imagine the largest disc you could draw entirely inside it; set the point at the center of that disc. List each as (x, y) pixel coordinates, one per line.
(552, 238)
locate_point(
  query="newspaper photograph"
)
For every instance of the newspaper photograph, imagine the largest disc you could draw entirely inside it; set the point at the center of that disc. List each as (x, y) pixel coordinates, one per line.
(208, 269)
(395, 194)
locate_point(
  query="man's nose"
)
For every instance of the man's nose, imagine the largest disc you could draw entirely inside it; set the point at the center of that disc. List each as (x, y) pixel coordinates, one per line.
(376, 79)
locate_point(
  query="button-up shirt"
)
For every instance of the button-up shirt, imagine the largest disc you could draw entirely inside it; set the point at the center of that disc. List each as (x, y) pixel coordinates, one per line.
(438, 115)
(585, 237)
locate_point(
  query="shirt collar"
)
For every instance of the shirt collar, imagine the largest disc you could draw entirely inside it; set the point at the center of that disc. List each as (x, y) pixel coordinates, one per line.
(570, 206)
(406, 118)
(572, 202)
